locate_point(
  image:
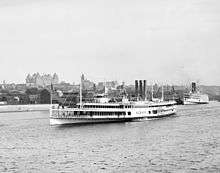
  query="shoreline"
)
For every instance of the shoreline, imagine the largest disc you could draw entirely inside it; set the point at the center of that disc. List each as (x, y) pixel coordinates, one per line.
(24, 108)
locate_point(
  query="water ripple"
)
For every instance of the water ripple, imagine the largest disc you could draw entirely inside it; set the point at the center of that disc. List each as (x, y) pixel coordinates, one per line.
(187, 142)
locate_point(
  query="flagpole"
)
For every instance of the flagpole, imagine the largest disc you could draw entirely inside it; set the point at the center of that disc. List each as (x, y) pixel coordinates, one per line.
(152, 92)
(80, 92)
(51, 99)
(51, 94)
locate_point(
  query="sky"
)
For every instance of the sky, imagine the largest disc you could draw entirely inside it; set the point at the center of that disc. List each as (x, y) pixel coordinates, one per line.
(164, 41)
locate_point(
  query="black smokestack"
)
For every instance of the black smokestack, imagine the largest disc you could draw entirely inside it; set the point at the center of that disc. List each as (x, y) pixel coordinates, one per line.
(144, 90)
(136, 88)
(140, 89)
(193, 87)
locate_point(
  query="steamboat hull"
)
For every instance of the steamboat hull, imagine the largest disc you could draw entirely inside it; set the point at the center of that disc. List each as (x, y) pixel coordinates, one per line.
(195, 102)
(63, 121)
(161, 116)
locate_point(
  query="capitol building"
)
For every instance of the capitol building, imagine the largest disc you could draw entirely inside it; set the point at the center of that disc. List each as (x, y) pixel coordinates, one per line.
(37, 80)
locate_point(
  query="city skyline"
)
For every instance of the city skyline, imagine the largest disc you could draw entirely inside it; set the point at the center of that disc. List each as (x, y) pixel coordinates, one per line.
(169, 42)
(43, 80)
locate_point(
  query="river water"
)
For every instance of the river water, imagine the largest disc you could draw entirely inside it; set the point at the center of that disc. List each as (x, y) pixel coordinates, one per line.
(186, 142)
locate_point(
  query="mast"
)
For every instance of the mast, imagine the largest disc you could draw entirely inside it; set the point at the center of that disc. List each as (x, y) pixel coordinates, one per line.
(105, 90)
(51, 94)
(80, 92)
(51, 99)
(162, 97)
(152, 92)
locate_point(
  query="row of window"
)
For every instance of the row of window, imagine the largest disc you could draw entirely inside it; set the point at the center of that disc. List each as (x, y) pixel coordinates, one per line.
(86, 113)
(107, 106)
(90, 113)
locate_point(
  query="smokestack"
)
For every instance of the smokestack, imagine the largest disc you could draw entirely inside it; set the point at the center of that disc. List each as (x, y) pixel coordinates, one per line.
(136, 88)
(193, 87)
(140, 89)
(144, 90)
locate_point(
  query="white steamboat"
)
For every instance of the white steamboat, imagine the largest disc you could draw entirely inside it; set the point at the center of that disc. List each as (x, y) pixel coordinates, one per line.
(111, 112)
(195, 97)
(104, 111)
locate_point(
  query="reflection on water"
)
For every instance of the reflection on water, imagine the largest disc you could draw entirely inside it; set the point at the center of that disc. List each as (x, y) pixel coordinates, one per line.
(187, 142)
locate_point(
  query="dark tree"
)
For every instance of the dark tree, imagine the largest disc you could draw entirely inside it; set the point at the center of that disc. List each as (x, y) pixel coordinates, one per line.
(44, 96)
(4, 99)
(24, 99)
(32, 91)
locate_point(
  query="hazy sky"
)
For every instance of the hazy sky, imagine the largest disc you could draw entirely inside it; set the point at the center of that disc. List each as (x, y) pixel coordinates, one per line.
(170, 41)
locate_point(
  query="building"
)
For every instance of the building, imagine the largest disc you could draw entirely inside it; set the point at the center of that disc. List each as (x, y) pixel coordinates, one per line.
(110, 85)
(87, 84)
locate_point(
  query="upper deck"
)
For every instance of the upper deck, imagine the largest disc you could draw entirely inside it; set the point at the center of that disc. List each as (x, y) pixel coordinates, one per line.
(121, 105)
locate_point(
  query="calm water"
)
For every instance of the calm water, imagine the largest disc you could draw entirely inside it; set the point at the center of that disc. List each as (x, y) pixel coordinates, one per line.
(187, 142)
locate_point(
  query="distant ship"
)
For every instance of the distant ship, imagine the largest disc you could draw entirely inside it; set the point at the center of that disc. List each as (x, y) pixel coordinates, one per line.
(102, 110)
(195, 97)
